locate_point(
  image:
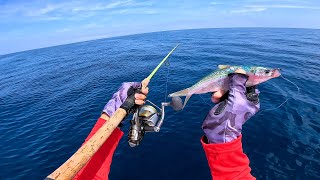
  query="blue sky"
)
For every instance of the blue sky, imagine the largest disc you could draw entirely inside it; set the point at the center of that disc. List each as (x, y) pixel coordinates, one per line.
(33, 24)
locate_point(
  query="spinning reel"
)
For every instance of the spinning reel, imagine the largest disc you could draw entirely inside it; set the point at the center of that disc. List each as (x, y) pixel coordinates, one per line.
(147, 118)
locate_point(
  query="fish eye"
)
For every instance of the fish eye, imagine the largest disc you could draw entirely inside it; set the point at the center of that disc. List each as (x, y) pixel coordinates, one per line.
(267, 71)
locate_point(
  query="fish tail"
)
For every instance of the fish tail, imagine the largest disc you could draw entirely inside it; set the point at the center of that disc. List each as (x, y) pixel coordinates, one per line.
(186, 100)
(180, 93)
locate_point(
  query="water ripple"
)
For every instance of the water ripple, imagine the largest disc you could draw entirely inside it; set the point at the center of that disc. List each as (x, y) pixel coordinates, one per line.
(50, 98)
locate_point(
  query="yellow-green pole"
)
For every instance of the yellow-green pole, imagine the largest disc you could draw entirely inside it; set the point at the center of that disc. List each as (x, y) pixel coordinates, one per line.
(160, 64)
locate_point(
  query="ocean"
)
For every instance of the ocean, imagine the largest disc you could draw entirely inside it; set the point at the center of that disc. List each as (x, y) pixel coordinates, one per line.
(50, 98)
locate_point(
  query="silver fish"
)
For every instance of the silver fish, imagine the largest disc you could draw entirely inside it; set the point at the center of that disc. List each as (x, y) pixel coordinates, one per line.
(218, 80)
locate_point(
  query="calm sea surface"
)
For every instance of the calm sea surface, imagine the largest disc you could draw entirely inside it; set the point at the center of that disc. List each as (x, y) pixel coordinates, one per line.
(50, 98)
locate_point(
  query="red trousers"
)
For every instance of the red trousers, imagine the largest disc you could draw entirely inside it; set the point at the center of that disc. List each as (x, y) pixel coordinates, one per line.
(226, 161)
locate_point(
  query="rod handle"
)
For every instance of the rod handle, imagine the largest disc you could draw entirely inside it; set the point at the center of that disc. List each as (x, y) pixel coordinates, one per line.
(80, 158)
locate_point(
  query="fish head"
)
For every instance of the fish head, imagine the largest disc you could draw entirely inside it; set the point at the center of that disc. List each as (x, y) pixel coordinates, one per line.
(258, 75)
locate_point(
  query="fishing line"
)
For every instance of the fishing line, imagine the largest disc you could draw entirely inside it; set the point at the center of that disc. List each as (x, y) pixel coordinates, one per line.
(291, 83)
(153, 104)
(205, 101)
(271, 109)
(298, 92)
(167, 80)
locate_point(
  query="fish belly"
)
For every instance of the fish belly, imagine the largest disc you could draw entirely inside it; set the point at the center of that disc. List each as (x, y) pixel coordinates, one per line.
(212, 86)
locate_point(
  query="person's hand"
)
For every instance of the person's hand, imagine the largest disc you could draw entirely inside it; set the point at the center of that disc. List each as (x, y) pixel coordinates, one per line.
(129, 94)
(224, 121)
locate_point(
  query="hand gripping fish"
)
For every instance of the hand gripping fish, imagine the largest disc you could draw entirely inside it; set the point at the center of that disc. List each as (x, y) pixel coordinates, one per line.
(218, 80)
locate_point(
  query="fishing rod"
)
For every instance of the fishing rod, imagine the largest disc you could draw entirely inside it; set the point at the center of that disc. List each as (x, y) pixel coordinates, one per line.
(80, 158)
(160, 64)
(147, 118)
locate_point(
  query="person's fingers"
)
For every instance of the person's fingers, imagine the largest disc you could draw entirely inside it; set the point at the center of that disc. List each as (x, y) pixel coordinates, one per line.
(240, 71)
(145, 82)
(136, 84)
(215, 100)
(144, 88)
(140, 96)
(217, 95)
(139, 102)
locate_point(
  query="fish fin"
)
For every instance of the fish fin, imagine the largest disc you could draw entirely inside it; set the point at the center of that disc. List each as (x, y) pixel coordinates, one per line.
(183, 92)
(223, 66)
(186, 100)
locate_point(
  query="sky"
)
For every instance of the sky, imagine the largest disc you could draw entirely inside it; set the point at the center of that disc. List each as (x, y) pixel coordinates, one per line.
(32, 24)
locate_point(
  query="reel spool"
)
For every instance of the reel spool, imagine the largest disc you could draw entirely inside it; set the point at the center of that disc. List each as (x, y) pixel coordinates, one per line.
(148, 119)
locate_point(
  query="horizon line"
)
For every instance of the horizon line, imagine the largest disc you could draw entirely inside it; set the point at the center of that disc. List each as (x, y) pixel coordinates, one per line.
(124, 35)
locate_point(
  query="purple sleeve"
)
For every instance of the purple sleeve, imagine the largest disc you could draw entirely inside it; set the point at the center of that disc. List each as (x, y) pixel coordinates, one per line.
(226, 125)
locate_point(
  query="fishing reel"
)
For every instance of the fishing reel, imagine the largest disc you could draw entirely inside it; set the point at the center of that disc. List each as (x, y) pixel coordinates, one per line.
(149, 118)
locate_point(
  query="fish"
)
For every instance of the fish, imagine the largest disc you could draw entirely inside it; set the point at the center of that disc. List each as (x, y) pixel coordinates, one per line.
(218, 80)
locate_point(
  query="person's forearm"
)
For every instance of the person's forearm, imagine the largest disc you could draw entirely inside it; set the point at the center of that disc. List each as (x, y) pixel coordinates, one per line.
(222, 128)
(126, 97)
(99, 165)
(227, 160)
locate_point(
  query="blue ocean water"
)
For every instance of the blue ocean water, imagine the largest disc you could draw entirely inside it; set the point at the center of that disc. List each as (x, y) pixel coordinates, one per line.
(50, 98)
